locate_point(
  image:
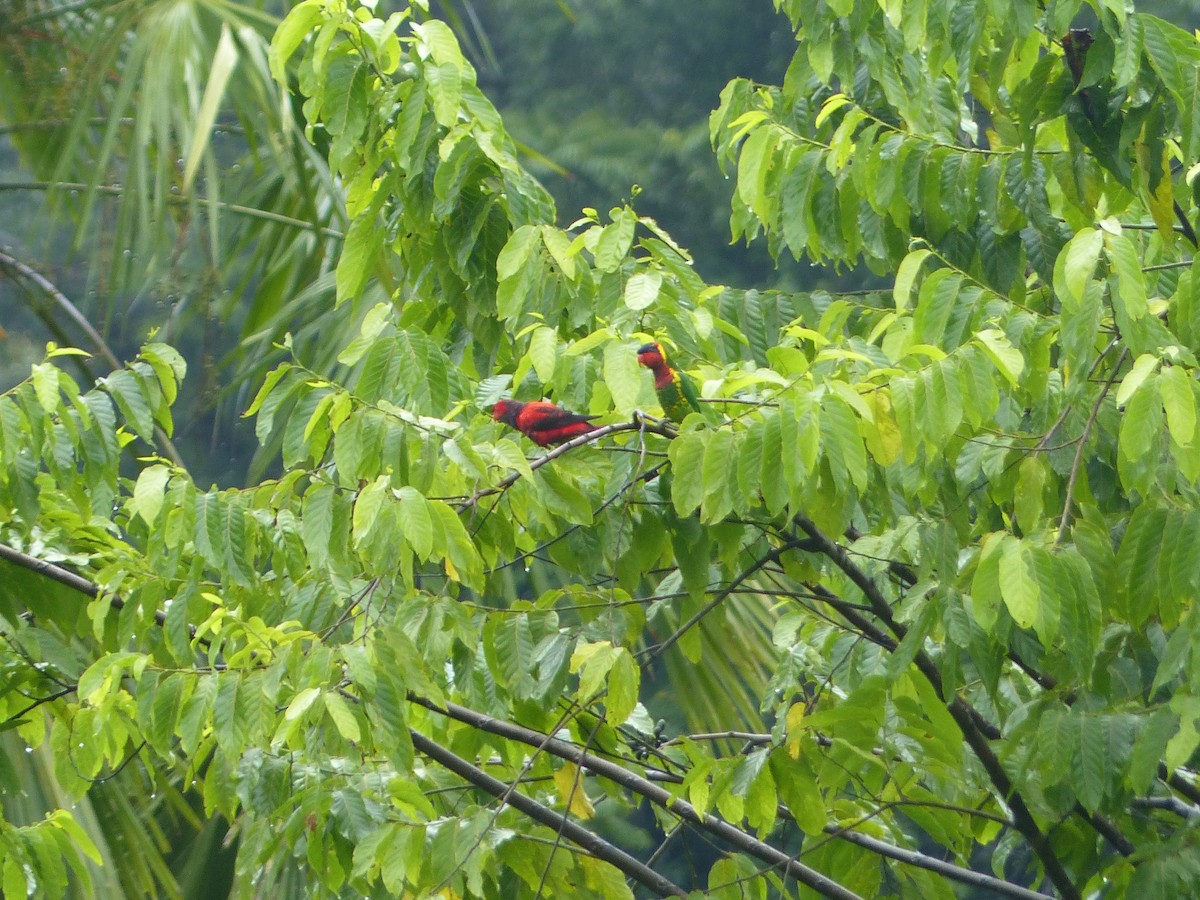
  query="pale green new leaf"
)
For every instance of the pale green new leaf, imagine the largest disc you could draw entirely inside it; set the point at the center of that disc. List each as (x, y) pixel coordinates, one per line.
(1018, 586)
(642, 289)
(624, 680)
(907, 275)
(1179, 402)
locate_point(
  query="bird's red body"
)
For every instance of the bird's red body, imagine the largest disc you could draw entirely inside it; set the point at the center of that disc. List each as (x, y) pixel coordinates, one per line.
(542, 422)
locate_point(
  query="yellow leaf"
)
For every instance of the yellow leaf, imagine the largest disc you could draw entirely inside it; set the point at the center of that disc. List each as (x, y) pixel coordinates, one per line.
(884, 439)
(570, 787)
(795, 718)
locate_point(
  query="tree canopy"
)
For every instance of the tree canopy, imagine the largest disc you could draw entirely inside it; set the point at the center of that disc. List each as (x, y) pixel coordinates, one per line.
(907, 608)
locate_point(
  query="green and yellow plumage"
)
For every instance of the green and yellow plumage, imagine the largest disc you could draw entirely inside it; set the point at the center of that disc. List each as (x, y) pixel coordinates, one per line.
(676, 392)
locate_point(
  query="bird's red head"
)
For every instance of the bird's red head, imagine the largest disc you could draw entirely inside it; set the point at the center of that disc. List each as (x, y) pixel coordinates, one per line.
(506, 411)
(651, 355)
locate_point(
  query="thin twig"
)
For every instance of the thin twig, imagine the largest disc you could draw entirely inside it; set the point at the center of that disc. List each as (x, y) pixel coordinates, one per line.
(1083, 438)
(771, 556)
(176, 200)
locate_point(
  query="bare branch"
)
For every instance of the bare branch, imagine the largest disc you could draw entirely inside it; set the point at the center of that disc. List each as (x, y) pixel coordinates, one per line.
(577, 834)
(648, 789)
(976, 729)
(997, 886)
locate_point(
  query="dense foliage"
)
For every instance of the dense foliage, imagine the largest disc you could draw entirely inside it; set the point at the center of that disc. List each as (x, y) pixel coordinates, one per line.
(909, 604)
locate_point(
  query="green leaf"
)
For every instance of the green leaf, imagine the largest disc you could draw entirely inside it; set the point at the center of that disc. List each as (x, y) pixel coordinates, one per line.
(366, 509)
(642, 289)
(1179, 401)
(415, 521)
(1149, 748)
(797, 190)
(935, 303)
(612, 247)
(561, 249)
(360, 249)
(1027, 499)
(301, 703)
(1131, 285)
(564, 498)
(906, 275)
(516, 252)
(1141, 425)
(624, 679)
(687, 485)
(461, 556)
(1143, 366)
(148, 492)
(754, 164)
(798, 791)
(291, 33)
(445, 82)
(718, 475)
(343, 717)
(126, 391)
(1138, 560)
(45, 386)
(1002, 353)
(543, 352)
(438, 38)
(1076, 264)
(1018, 586)
(623, 376)
(508, 646)
(592, 662)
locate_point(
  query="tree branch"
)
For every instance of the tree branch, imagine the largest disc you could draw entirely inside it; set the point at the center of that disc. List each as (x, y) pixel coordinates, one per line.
(512, 478)
(175, 200)
(574, 832)
(771, 556)
(954, 873)
(71, 580)
(976, 729)
(644, 787)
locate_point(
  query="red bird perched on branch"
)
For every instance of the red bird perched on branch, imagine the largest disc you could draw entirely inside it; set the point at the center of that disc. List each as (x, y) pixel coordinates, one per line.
(542, 422)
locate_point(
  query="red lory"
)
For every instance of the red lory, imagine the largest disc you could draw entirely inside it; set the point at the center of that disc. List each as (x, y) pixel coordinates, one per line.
(541, 421)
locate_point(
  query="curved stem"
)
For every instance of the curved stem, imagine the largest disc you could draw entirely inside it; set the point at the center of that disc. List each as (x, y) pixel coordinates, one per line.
(80, 320)
(1078, 461)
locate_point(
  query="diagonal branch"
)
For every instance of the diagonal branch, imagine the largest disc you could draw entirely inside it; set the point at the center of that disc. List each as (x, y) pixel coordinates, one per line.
(771, 556)
(976, 729)
(994, 886)
(71, 580)
(1083, 438)
(656, 794)
(597, 846)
